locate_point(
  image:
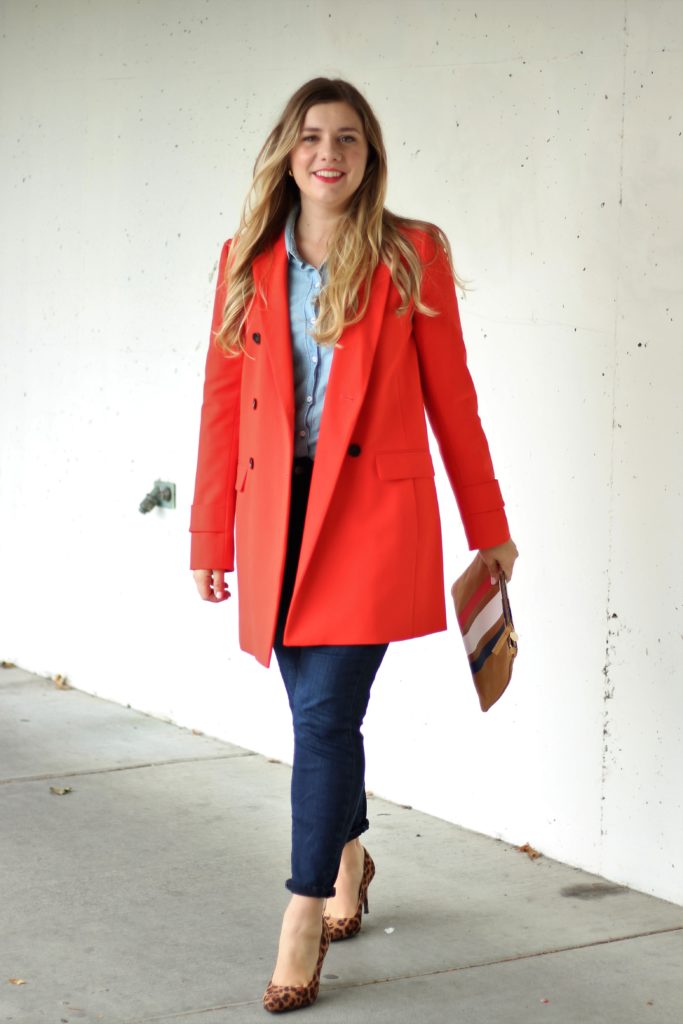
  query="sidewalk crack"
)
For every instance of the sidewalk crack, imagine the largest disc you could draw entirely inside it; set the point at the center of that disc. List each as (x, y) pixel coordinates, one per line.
(125, 767)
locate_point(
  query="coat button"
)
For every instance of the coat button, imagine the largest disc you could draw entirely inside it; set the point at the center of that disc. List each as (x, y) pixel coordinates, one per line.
(257, 337)
(254, 403)
(354, 450)
(251, 463)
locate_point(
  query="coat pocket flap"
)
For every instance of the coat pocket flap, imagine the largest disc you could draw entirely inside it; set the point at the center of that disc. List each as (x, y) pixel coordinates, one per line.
(404, 465)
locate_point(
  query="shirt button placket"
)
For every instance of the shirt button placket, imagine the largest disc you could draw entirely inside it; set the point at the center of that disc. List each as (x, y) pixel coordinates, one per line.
(310, 344)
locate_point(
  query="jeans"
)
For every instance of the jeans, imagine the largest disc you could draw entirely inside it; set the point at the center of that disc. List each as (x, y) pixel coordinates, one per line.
(328, 688)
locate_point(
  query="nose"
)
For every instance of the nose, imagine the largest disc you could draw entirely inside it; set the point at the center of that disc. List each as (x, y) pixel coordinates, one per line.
(330, 148)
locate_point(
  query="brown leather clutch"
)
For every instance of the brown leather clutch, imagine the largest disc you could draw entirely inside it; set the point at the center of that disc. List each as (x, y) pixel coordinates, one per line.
(488, 632)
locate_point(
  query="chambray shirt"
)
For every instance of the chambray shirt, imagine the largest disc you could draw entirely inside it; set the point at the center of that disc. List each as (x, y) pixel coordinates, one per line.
(311, 361)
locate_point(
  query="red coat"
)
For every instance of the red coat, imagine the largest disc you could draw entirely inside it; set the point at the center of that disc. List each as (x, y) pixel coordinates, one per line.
(371, 567)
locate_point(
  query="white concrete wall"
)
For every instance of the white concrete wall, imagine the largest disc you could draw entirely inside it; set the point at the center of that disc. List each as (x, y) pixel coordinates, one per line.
(546, 139)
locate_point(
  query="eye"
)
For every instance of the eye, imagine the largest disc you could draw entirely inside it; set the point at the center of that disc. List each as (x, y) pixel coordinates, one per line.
(307, 138)
(348, 138)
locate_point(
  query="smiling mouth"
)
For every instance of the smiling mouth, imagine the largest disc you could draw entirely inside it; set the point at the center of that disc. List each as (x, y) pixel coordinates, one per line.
(329, 175)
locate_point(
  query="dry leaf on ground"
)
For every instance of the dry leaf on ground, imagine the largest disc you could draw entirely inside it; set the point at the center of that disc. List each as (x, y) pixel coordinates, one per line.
(61, 682)
(529, 850)
(60, 790)
(16, 981)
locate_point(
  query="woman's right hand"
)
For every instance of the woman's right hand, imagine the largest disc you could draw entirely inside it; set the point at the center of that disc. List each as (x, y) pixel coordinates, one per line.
(211, 584)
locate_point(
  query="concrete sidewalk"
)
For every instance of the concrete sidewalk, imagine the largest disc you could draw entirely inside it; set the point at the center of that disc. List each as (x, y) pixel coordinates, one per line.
(153, 892)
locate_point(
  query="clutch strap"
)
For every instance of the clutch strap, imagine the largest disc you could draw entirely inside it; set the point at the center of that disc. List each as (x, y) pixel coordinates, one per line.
(509, 633)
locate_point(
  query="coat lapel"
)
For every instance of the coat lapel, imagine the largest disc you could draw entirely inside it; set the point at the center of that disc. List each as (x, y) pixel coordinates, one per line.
(346, 388)
(347, 384)
(270, 277)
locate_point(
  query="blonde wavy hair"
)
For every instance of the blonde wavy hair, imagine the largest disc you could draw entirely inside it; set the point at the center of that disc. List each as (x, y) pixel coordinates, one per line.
(366, 234)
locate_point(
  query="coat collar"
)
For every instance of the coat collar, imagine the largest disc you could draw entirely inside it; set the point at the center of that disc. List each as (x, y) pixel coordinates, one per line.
(347, 384)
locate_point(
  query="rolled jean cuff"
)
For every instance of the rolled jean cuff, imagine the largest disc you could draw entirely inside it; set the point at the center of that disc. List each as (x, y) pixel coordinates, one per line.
(358, 829)
(316, 892)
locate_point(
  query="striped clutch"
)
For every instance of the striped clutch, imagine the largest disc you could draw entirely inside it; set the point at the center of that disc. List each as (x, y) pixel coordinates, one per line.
(488, 632)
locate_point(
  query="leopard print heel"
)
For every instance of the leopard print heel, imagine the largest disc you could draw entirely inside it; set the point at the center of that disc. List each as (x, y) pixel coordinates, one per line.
(347, 927)
(281, 998)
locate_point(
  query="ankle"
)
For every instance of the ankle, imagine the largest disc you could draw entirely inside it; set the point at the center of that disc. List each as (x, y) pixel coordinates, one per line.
(303, 913)
(352, 855)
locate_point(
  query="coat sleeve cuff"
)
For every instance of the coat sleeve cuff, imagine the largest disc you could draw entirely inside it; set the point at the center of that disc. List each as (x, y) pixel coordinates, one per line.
(477, 498)
(211, 550)
(486, 529)
(208, 517)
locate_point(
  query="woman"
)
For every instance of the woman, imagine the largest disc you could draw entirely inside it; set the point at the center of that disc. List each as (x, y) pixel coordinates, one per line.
(335, 326)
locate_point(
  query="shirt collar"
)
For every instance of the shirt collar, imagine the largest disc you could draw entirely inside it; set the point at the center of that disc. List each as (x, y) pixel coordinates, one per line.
(290, 241)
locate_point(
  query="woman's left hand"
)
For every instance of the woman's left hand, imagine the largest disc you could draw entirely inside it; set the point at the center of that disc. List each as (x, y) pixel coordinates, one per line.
(500, 558)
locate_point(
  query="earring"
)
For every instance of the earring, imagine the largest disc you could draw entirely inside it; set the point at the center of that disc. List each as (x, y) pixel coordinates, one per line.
(290, 172)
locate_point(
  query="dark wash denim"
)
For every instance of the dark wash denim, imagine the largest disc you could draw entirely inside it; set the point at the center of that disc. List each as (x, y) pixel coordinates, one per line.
(328, 689)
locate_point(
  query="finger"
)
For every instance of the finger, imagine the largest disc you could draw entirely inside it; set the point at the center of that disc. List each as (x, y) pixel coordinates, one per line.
(219, 588)
(490, 564)
(202, 578)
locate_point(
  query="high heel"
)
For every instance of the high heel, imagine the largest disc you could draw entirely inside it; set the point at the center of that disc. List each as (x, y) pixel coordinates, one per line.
(281, 998)
(347, 927)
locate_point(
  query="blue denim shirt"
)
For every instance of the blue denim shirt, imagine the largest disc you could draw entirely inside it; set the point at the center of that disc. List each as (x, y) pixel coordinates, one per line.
(311, 362)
